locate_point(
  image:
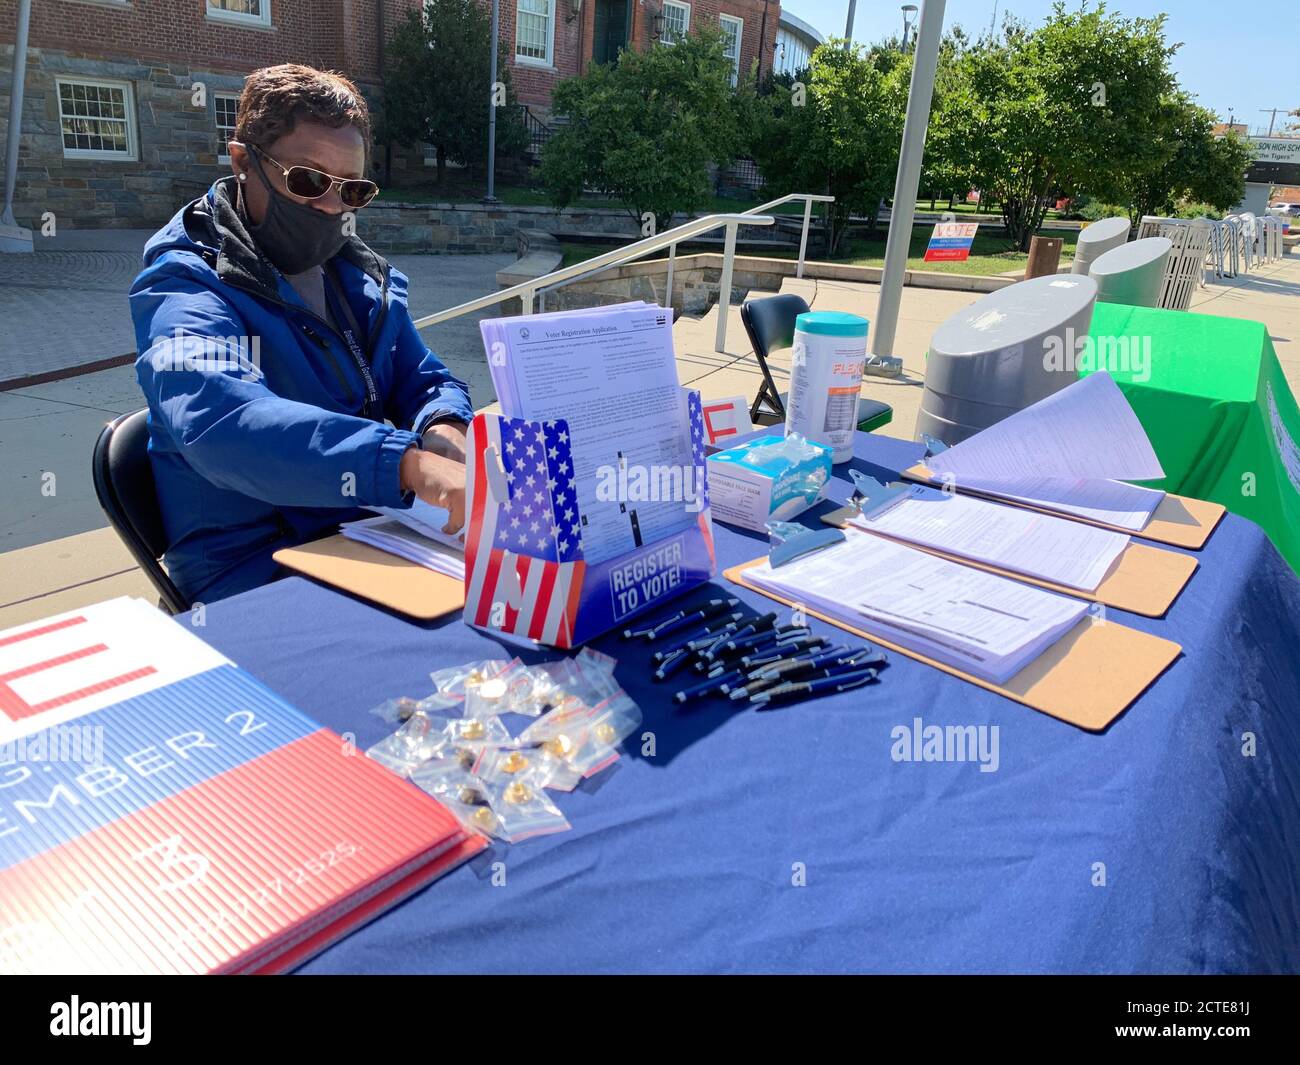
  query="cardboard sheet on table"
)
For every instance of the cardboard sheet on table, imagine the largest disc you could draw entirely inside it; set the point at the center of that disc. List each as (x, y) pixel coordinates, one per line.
(1179, 521)
(1143, 580)
(1087, 678)
(383, 578)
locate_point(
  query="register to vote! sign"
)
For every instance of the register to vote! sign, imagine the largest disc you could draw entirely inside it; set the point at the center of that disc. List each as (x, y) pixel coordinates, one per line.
(951, 242)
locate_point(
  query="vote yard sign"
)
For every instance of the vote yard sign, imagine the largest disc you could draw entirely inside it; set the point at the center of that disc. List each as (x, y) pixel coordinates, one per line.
(951, 242)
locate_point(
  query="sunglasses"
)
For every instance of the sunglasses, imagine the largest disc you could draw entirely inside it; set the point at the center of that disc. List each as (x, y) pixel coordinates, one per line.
(311, 184)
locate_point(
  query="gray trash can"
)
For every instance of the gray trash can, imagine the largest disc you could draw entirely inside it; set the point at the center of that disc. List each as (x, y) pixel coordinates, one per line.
(1133, 273)
(1096, 240)
(1004, 353)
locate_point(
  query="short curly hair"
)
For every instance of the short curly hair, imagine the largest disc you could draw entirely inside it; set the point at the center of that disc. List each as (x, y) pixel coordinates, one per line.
(275, 99)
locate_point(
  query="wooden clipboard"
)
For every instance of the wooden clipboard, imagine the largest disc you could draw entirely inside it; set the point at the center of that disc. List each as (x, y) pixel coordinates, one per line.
(383, 578)
(1087, 678)
(1179, 521)
(1144, 580)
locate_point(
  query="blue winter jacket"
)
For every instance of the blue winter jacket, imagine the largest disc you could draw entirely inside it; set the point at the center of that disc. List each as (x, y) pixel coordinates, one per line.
(260, 430)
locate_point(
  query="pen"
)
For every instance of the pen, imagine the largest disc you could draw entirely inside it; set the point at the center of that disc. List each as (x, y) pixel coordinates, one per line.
(711, 609)
(795, 690)
(841, 655)
(672, 664)
(844, 669)
(711, 630)
(781, 650)
(753, 627)
(706, 687)
(776, 632)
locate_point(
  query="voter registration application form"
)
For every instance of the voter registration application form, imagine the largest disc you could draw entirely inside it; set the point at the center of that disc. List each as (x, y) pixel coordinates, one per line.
(612, 376)
(1022, 541)
(987, 625)
(1070, 452)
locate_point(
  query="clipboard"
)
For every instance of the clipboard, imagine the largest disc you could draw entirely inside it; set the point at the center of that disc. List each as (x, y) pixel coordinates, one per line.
(1179, 521)
(1145, 580)
(383, 578)
(1087, 678)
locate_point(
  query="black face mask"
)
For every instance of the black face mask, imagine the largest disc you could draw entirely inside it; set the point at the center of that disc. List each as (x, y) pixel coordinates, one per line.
(295, 236)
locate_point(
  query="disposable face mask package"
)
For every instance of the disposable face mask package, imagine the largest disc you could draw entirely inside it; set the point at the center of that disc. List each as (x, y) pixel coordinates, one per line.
(422, 737)
(772, 478)
(523, 810)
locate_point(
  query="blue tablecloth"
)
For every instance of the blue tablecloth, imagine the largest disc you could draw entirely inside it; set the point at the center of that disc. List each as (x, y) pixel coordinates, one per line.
(790, 841)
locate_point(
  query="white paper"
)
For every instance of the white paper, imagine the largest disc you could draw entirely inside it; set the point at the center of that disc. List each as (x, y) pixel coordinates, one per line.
(398, 539)
(1127, 506)
(1086, 430)
(427, 520)
(612, 376)
(1023, 541)
(987, 625)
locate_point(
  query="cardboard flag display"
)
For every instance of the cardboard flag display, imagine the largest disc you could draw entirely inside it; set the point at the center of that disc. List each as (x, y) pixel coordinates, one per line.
(161, 811)
(525, 570)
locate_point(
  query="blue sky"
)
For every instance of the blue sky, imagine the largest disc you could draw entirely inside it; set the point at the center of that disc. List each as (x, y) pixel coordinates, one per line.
(1236, 57)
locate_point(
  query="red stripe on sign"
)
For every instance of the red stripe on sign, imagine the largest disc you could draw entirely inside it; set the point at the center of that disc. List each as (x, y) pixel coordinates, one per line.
(42, 631)
(488, 591)
(50, 663)
(478, 495)
(543, 606)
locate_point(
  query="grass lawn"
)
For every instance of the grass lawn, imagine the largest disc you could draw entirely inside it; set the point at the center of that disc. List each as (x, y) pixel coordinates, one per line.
(990, 253)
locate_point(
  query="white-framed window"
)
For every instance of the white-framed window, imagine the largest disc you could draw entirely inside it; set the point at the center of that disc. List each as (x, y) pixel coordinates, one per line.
(733, 30)
(677, 21)
(246, 12)
(96, 118)
(535, 32)
(225, 106)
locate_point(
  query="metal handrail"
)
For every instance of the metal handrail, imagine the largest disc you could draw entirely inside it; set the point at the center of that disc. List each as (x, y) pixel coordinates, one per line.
(528, 291)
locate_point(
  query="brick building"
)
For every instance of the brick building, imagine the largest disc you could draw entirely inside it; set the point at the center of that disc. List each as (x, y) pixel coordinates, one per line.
(114, 133)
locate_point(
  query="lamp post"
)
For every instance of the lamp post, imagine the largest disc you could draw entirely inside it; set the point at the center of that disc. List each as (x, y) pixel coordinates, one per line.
(903, 211)
(14, 237)
(848, 23)
(492, 108)
(909, 13)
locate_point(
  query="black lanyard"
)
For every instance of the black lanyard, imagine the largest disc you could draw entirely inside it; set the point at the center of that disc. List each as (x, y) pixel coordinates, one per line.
(351, 332)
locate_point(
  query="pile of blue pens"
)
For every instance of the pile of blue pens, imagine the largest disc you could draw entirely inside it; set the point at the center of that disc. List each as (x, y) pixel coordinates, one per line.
(751, 659)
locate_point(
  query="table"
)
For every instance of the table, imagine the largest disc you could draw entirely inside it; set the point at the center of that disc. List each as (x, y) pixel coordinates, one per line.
(1213, 399)
(692, 859)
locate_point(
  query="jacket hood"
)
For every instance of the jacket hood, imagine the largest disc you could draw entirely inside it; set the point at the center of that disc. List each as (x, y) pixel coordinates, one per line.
(212, 228)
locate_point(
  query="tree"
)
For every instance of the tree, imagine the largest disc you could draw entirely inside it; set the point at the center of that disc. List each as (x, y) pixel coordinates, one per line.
(837, 132)
(1058, 108)
(436, 90)
(644, 130)
(1191, 163)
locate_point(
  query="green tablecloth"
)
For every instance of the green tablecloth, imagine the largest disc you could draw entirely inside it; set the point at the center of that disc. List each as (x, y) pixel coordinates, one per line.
(1211, 395)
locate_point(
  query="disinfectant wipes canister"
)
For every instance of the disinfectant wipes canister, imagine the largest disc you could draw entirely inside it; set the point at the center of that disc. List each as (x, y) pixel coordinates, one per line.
(825, 376)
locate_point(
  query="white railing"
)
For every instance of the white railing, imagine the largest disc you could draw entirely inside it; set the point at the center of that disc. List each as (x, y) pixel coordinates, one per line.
(529, 291)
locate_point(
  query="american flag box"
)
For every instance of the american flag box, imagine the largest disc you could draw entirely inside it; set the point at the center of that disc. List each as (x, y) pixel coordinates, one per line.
(162, 811)
(526, 573)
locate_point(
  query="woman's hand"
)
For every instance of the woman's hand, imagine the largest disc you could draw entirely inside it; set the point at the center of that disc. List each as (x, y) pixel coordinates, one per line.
(447, 439)
(438, 480)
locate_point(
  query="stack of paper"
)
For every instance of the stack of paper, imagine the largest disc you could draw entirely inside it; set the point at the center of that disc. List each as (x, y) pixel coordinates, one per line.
(1022, 541)
(611, 375)
(402, 539)
(1069, 452)
(986, 625)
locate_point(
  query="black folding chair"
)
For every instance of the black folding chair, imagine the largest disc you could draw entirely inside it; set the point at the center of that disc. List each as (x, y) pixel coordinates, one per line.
(124, 484)
(769, 321)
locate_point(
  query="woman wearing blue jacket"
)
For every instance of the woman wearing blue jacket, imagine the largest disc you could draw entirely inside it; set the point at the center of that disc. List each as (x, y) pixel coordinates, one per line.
(277, 348)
